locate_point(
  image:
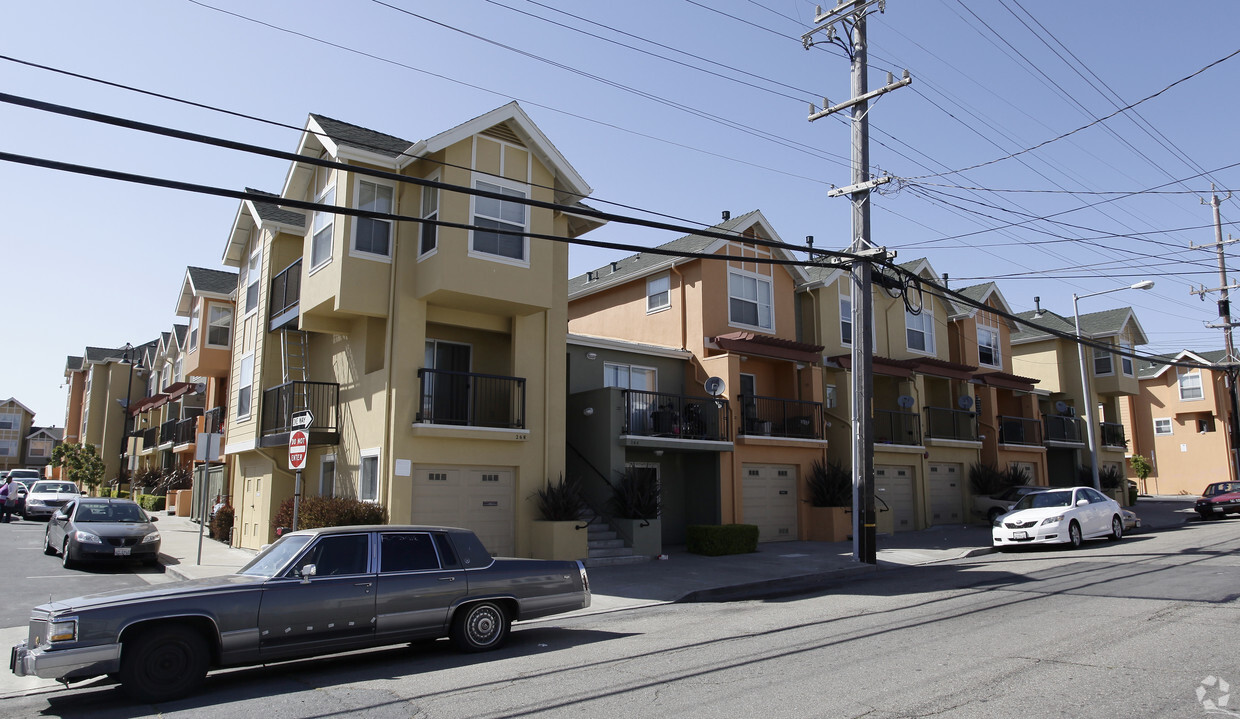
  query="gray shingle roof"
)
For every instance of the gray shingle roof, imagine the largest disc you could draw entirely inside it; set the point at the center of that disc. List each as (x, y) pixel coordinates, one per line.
(977, 292)
(215, 281)
(181, 331)
(271, 212)
(73, 364)
(1147, 368)
(1094, 324)
(361, 138)
(99, 354)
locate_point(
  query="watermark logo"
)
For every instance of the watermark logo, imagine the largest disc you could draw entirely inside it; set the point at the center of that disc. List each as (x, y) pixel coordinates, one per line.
(1214, 694)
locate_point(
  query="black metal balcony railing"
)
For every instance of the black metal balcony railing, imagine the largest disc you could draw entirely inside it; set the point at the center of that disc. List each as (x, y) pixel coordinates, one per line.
(1113, 434)
(285, 296)
(656, 414)
(187, 431)
(150, 437)
(282, 402)
(897, 427)
(1064, 429)
(946, 423)
(771, 416)
(472, 400)
(214, 420)
(168, 431)
(1020, 430)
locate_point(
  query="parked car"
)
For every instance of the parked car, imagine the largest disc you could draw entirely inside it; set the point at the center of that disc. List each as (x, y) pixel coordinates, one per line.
(101, 529)
(46, 496)
(1069, 514)
(991, 507)
(1131, 520)
(312, 592)
(1219, 500)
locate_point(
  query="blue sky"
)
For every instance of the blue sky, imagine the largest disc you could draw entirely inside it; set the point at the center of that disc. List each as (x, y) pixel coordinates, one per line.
(709, 114)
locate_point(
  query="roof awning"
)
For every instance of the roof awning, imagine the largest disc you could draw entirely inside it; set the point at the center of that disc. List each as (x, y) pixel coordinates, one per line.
(882, 365)
(943, 368)
(142, 405)
(1006, 381)
(766, 346)
(176, 390)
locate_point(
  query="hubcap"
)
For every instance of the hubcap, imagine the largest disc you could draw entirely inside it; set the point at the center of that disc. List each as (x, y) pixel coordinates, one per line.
(483, 625)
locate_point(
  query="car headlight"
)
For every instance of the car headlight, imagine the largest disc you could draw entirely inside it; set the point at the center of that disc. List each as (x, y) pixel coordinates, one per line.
(152, 537)
(62, 630)
(85, 537)
(998, 521)
(34, 502)
(1053, 520)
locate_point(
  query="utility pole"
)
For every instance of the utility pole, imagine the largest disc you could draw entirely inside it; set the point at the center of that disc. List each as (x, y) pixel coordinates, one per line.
(1224, 313)
(851, 14)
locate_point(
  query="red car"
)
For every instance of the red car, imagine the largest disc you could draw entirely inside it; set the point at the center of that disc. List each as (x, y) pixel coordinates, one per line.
(1219, 500)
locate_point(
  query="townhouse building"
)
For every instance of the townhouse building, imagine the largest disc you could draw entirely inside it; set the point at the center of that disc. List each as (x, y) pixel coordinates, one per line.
(690, 370)
(37, 451)
(103, 384)
(430, 357)
(16, 424)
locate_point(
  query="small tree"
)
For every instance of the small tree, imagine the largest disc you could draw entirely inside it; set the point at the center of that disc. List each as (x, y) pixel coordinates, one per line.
(80, 464)
(1141, 466)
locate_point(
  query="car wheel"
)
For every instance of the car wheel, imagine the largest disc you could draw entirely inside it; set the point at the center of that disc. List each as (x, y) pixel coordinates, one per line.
(479, 627)
(163, 663)
(48, 549)
(1074, 535)
(1117, 528)
(66, 560)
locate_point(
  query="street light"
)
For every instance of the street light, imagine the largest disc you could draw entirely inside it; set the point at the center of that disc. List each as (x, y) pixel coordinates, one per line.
(1090, 434)
(125, 417)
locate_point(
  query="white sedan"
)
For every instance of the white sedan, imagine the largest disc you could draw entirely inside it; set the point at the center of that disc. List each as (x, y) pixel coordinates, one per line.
(1069, 514)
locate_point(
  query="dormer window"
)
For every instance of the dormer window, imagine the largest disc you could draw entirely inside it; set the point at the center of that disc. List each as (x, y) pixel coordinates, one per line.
(370, 235)
(193, 327)
(496, 214)
(988, 347)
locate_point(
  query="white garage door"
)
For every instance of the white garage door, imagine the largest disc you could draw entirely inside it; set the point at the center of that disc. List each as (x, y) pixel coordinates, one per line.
(894, 485)
(946, 493)
(769, 500)
(477, 498)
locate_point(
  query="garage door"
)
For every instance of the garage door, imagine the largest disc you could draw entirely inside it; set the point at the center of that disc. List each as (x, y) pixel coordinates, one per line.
(894, 485)
(477, 498)
(769, 500)
(946, 493)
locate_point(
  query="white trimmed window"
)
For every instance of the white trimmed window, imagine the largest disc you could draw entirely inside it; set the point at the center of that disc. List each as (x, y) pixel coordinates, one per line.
(846, 321)
(39, 448)
(1190, 383)
(10, 421)
(177, 375)
(658, 293)
(495, 214)
(429, 239)
(1125, 362)
(373, 236)
(327, 476)
(245, 387)
(1162, 426)
(988, 347)
(919, 328)
(749, 301)
(368, 476)
(193, 326)
(1103, 366)
(253, 274)
(8, 448)
(629, 377)
(321, 229)
(219, 325)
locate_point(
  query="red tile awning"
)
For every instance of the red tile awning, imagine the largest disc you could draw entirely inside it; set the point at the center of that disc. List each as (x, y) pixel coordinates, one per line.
(766, 346)
(142, 405)
(882, 365)
(1006, 381)
(943, 368)
(176, 390)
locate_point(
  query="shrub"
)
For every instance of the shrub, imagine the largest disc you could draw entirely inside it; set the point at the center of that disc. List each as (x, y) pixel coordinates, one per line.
(715, 540)
(985, 479)
(559, 501)
(329, 512)
(151, 502)
(1109, 477)
(222, 523)
(830, 484)
(636, 495)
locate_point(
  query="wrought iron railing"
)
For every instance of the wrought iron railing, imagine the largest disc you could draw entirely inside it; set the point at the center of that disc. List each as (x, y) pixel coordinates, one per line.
(657, 414)
(893, 426)
(471, 399)
(187, 431)
(150, 437)
(1112, 434)
(168, 431)
(775, 417)
(947, 423)
(1020, 430)
(1060, 428)
(280, 403)
(285, 296)
(213, 420)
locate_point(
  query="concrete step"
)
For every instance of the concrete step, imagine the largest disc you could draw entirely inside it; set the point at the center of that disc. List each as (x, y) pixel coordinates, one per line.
(615, 561)
(605, 543)
(610, 551)
(600, 534)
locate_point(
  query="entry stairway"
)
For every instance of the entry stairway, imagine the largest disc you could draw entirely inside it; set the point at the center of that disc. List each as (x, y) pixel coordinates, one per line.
(607, 549)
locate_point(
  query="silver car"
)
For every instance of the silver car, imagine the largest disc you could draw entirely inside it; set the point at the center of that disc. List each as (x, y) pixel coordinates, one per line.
(46, 496)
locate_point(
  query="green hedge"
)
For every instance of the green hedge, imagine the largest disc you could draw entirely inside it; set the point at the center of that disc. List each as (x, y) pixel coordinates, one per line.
(152, 502)
(715, 540)
(329, 512)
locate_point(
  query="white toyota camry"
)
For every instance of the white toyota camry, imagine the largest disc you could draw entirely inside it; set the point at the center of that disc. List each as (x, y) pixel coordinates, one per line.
(1069, 514)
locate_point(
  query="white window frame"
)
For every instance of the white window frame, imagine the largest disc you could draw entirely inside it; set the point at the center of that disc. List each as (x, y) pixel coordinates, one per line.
(391, 226)
(8, 448)
(253, 275)
(194, 323)
(1199, 385)
(628, 369)
(1125, 362)
(996, 353)
(1100, 354)
(369, 454)
(178, 370)
(1163, 427)
(429, 232)
(214, 324)
(511, 186)
(327, 489)
(846, 318)
(925, 319)
(12, 419)
(322, 222)
(760, 281)
(245, 383)
(39, 448)
(658, 293)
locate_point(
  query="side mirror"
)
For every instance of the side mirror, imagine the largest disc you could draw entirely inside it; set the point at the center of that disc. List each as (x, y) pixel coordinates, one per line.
(1082, 502)
(152, 518)
(308, 571)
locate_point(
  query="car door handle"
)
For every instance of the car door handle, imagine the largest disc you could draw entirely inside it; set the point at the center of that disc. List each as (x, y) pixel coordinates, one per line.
(363, 584)
(447, 579)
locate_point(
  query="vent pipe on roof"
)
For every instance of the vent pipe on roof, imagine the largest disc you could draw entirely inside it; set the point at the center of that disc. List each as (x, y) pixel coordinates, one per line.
(590, 276)
(1037, 304)
(946, 279)
(615, 267)
(727, 215)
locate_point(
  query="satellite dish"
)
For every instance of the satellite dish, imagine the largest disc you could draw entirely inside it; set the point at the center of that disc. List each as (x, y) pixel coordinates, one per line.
(714, 386)
(965, 401)
(200, 387)
(905, 401)
(1061, 407)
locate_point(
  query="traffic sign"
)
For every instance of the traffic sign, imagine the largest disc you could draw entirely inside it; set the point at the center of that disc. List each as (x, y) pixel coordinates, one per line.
(302, 418)
(298, 446)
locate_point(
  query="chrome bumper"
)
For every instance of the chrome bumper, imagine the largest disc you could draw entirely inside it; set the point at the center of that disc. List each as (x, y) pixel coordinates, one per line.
(65, 663)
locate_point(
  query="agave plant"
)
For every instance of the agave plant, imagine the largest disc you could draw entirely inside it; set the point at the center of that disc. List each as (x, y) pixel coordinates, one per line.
(560, 501)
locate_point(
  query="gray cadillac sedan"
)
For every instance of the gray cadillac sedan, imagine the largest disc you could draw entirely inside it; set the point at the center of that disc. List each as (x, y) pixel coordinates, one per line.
(317, 591)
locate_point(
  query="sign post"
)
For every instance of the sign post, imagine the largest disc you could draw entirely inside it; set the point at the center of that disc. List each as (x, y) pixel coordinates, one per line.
(298, 447)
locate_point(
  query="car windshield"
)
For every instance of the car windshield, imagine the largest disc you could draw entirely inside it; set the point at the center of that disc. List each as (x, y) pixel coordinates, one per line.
(271, 560)
(24, 474)
(54, 487)
(1036, 500)
(108, 512)
(1221, 488)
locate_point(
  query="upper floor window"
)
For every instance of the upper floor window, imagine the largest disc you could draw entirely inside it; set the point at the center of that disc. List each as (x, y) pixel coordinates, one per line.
(176, 371)
(253, 273)
(1125, 362)
(749, 301)
(1102, 363)
(919, 329)
(502, 215)
(8, 448)
(628, 377)
(167, 376)
(658, 293)
(988, 347)
(193, 327)
(846, 321)
(429, 239)
(1190, 383)
(1162, 425)
(10, 421)
(321, 229)
(219, 325)
(370, 235)
(245, 387)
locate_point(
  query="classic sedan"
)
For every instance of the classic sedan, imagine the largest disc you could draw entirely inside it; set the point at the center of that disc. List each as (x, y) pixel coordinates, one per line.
(312, 592)
(1070, 514)
(1219, 500)
(100, 530)
(46, 496)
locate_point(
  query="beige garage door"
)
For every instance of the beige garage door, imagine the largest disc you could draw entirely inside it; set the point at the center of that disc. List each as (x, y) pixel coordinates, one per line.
(477, 498)
(769, 498)
(894, 485)
(946, 493)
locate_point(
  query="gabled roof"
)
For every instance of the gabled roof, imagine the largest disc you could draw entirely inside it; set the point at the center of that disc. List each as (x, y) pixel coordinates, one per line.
(181, 332)
(263, 215)
(19, 404)
(53, 433)
(640, 265)
(1095, 325)
(982, 294)
(338, 137)
(103, 354)
(204, 282)
(73, 364)
(1148, 369)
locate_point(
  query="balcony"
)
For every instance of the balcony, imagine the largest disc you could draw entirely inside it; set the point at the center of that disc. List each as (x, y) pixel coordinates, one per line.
(897, 427)
(469, 399)
(186, 431)
(150, 439)
(773, 417)
(656, 414)
(213, 420)
(1020, 430)
(945, 423)
(167, 432)
(285, 297)
(1113, 435)
(280, 403)
(1064, 429)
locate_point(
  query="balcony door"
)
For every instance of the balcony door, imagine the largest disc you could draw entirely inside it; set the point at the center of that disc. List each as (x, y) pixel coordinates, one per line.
(447, 400)
(643, 381)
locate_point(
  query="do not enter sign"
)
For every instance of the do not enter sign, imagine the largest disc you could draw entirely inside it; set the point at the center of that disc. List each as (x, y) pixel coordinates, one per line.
(298, 445)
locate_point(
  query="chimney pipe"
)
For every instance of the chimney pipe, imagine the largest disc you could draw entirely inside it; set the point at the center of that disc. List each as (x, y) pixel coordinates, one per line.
(727, 215)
